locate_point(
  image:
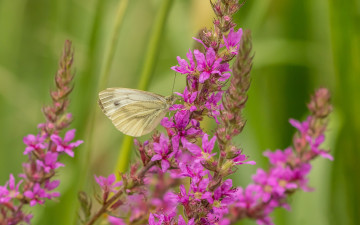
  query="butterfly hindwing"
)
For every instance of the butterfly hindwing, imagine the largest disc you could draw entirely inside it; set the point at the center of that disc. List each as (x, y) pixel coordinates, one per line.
(133, 112)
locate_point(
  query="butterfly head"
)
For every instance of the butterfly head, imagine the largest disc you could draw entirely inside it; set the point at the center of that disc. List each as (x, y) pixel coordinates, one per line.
(170, 100)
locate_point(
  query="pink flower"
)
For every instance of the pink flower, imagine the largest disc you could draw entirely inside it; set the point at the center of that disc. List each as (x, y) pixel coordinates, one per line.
(241, 158)
(34, 143)
(6, 194)
(189, 98)
(13, 188)
(249, 197)
(184, 67)
(65, 145)
(212, 105)
(162, 218)
(108, 184)
(181, 221)
(162, 153)
(207, 65)
(115, 221)
(183, 197)
(180, 124)
(192, 170)
(208, 146)
(36, 195)
(232, 41)
(223, 194)
(303, 127)
(280, 157)
(314, 145)
(50, 162)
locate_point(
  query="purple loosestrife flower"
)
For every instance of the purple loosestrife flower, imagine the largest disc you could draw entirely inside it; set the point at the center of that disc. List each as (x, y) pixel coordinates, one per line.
(8, 193)
(280, 158)
(183, 197)
(274, 183)
(181, 131)
(36, 195)
(42, 149)
(207, 65)
(34, 143)
(224, 75)
(162, 153)
(210, 197)
(207, 147)
(249, 197)
(116, 221)
(184, 67)
(303, 127)
(232, 40)
(189, 99)
(314, 146)
(64, 145)
(181, 221)
(240, 159)
(108, 184)
(212, 105)
(50, 162)
(221, 198)
(13, 188)
(4, 195)
(162, 219)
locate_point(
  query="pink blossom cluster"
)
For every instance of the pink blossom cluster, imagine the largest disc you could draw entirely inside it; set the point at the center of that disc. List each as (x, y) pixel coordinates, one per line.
(36, 183)
(225, 204)
(183, 178)
(288, 173)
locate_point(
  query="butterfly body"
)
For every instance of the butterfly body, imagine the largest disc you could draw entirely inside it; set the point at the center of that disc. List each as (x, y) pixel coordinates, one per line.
(134, 112)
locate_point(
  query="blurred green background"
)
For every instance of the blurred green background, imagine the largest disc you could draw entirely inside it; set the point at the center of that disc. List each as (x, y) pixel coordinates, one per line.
(298, 45)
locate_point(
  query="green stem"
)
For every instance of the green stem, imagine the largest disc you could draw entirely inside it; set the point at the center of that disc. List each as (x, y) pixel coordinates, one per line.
(104, 78)
(345, 37)
(146, 74)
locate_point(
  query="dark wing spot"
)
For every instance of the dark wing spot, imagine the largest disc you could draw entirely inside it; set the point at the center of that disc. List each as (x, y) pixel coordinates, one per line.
(116, 103)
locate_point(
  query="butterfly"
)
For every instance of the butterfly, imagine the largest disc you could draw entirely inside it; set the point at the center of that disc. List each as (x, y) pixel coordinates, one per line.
(134, 112)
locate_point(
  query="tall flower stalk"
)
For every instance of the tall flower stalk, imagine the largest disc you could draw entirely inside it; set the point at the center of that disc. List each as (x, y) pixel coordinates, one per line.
(181, 179)
(37, 182)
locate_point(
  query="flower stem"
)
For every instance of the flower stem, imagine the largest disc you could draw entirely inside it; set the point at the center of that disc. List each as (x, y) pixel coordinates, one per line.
(146, 74)
(136, 182)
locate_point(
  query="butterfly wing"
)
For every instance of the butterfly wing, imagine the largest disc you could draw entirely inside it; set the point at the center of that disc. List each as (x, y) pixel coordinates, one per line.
(133, 112)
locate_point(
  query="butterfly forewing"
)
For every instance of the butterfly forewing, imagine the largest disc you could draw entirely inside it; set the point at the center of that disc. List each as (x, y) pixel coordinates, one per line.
(133, 112)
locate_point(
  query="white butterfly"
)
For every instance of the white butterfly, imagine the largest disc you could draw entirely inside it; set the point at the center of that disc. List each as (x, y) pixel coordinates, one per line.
(134, 112)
